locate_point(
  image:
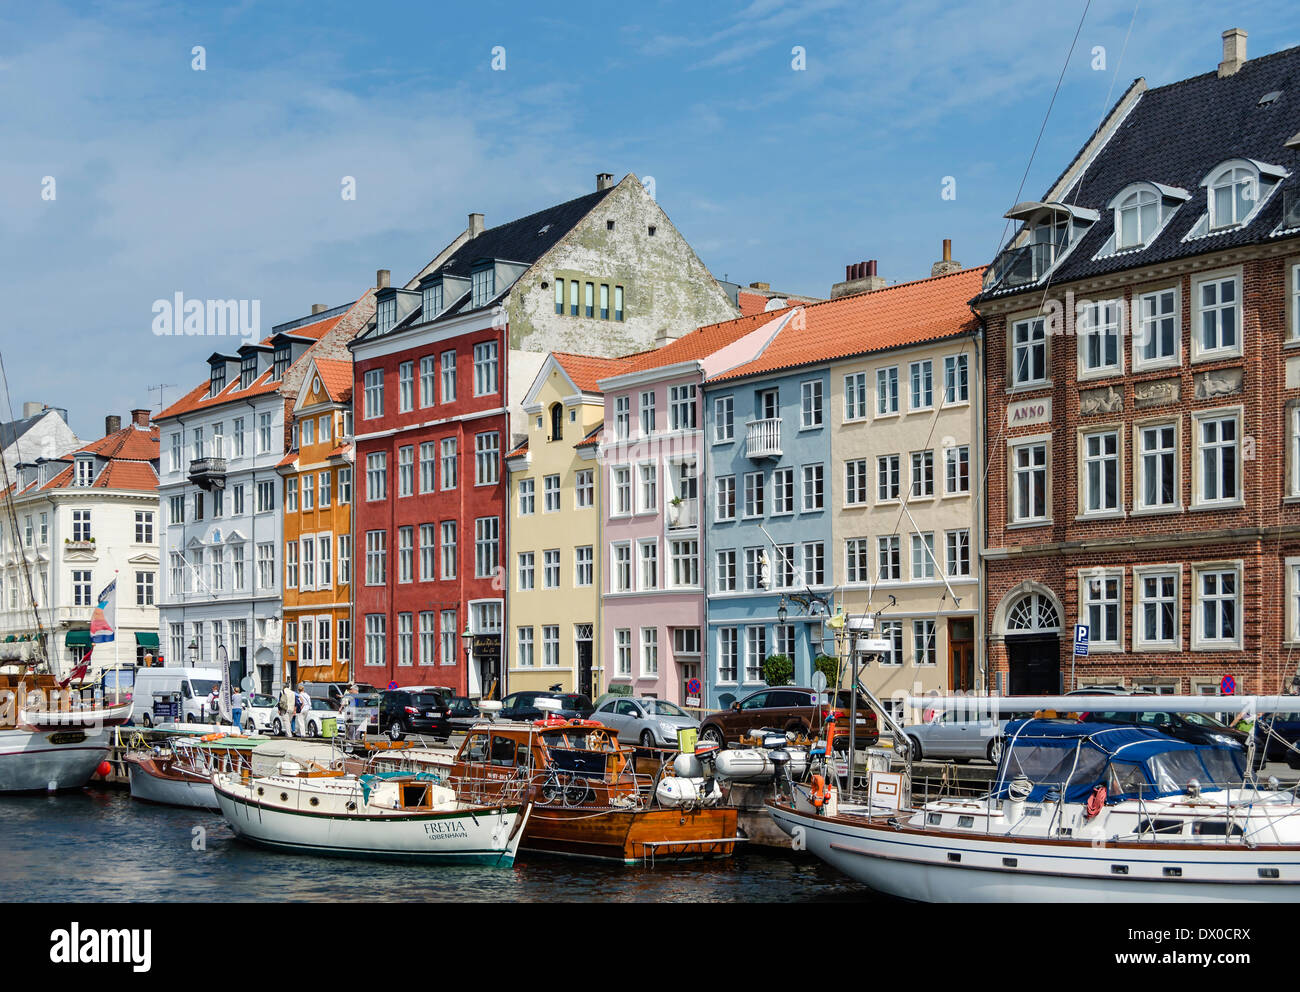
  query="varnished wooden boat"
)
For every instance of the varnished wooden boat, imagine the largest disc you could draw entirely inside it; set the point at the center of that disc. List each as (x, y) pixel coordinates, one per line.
(181, 775)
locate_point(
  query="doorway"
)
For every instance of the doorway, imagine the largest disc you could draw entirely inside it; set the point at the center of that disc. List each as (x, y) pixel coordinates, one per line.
(1035, 666)
(961, 655)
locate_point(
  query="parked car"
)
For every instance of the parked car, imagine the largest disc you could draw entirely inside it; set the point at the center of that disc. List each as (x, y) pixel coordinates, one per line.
(413, 711)
(260, 713)
(523, 706)
(365, 711)
(320, 711)
(960, 734)
(333, 692)
(787, 708)
(191, 687)
(1285, 731)
(1194, 728)
(646, 720)
(462, 713)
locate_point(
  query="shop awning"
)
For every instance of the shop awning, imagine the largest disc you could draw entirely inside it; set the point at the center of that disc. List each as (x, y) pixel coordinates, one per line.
(146, 639)
(77, 638)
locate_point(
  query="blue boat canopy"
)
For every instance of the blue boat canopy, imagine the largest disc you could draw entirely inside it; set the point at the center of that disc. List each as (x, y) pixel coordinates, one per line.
(1131, 762)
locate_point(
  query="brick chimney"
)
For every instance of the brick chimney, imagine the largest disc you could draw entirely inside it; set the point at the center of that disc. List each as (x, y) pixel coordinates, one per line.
(945, 264)
(1234, 51)
(382, 278)
(604, 180)
(318, 308)
(112, 424)
(475, 225)
(858, 278)
(762, 287)
(140, 418)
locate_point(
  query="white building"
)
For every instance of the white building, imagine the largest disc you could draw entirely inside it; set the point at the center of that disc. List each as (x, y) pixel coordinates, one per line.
(81, 520)
(41, 432)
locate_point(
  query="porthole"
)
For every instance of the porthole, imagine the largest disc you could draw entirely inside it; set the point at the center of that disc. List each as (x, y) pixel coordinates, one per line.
(314, 801)
(1268, 873)
(1173, 872)
(284, 797)
(261, 791)
(351, 805)
(933, 819)
(1119, 869)
(965, 821)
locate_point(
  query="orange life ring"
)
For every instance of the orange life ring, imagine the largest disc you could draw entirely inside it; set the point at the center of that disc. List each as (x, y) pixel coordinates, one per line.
(211, 737)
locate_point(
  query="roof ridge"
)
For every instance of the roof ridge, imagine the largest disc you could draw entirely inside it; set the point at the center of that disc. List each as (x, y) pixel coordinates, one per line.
(964, 271)
(598, 194)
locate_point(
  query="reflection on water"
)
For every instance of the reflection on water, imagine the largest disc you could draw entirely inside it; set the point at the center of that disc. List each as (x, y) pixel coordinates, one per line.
(99, 845)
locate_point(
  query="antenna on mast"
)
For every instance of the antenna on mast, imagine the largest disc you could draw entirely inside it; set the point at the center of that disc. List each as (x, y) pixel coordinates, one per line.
(160, 387)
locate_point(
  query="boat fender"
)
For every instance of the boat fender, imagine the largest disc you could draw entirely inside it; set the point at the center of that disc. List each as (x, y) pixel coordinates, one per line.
(820, 793)
(1096, 801)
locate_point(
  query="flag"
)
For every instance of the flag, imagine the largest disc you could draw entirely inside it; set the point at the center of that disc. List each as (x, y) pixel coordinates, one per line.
(79, 672)
(102, 629)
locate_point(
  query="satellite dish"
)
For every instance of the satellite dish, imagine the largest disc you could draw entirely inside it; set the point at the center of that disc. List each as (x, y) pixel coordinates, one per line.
(775, 303)
(247, 683)
(819, 682)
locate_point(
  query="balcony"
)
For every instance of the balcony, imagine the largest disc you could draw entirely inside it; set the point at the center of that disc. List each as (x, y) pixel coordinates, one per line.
(1022, 266)
(684, 514)
(763, 438)
(208, 473)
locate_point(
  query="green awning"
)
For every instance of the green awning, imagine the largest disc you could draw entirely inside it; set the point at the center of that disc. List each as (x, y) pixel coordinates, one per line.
(146, 639)
(77, 638)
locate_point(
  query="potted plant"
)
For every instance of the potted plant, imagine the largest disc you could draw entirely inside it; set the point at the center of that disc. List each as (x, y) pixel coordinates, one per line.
(674, 509)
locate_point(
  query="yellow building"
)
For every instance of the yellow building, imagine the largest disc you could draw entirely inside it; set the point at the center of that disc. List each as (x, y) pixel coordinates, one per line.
(553, 561)
(317, 507)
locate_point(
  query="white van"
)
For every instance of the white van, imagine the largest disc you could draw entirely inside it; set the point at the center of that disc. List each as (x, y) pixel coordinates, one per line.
(193, 685)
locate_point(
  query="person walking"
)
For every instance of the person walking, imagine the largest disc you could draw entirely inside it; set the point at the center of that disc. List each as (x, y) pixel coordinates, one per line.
(304, 708)
(237, 708)
(287, 706)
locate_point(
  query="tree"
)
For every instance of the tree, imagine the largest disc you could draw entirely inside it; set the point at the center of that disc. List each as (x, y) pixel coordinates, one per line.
(828, 666)
(778, 669)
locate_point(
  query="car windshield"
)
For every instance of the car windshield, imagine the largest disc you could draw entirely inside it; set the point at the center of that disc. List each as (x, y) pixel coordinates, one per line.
(260, 700)
(844, 700)
(572, 701)
(661, 707)
(1203, 720)
(320, 704)
(368, 699)
(426, 699)
(204, 687)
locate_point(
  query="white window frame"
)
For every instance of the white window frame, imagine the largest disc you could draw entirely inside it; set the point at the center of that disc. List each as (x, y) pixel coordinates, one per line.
(1141, 573)
(1145, 327)
(1199, 417)
(1200, 353)
(1200, 642)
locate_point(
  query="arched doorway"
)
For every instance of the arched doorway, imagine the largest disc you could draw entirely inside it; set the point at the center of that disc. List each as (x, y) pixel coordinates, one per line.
(1032, 632)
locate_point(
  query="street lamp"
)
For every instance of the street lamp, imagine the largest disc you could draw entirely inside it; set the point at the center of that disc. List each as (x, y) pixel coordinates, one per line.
(468, 639)
(193, 650)
(782, 612)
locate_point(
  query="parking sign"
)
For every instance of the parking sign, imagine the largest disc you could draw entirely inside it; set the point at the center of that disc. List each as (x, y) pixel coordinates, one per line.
(1081, 640)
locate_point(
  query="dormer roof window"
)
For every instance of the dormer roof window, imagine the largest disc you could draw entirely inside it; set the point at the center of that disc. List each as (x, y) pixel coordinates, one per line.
(217, 378)
(385, 315)
(432, 302)
(1141, 211)
(482, 285)
(1234, 192)
(85, 472)
(1050, 231)
(282, 354)
(247, 370)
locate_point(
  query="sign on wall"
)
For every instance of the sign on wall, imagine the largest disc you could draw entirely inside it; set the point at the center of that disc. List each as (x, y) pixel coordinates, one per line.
(1037, 411)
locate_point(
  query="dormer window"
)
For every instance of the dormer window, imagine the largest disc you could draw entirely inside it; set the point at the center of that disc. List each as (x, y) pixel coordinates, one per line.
(1136, 218)
(217, 379)
(432, 300)
(1234, 192)
(282, 353)
(385, 315)
(247, 370)
(85, 471)
(482, 286)
(1050, 232)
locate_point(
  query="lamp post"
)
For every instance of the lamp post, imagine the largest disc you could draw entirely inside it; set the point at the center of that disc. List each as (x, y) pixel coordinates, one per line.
(782, 613)
(467, 638)
(193, 651)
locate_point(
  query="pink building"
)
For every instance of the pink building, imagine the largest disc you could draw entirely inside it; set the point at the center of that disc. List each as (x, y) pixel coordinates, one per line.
(653, 599)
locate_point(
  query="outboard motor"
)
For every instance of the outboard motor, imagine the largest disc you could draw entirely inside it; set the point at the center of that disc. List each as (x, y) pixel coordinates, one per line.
(780, 758)
(707, 754)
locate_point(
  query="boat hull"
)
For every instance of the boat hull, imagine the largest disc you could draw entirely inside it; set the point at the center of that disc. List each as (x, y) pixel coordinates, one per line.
(149, 785)
(482, 837)
(43, 761)
(917, 865)
(632, 836)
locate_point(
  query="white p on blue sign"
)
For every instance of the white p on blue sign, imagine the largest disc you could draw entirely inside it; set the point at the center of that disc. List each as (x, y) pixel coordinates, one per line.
(1081, 640)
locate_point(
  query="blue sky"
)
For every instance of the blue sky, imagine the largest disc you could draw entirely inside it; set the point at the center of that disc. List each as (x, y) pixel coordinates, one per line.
(225, 183)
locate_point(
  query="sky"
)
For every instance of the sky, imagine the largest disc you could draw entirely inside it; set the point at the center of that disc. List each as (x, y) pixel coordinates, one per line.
(785, 140)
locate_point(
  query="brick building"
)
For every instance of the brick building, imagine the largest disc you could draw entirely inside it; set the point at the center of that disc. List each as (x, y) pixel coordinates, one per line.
(1143, 396)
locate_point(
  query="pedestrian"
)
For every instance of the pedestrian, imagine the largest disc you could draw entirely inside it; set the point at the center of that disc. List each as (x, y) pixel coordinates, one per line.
(304, 707)
(287, 706)
(214, 710)
(237, 708)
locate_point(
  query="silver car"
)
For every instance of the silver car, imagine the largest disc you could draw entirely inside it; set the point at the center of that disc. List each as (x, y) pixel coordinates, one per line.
(959, 734)
(649, 722)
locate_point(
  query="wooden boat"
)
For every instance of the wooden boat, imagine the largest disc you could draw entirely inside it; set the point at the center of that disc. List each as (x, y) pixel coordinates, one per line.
(403, 817)
(588, 798)
(179, 773)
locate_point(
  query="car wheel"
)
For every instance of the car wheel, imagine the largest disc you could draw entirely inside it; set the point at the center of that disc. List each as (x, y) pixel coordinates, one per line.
(916, 748)
(994, 750)
(647, 739)
(147, 720)
(712, 735)
(395, 731)
(251, 727)
(311, 729)
(277, 726)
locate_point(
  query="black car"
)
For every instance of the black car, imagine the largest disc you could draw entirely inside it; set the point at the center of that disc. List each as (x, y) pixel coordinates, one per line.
(523, 706)
(413, 711)
(1194, 728)
(1285, 729)
(463, 712)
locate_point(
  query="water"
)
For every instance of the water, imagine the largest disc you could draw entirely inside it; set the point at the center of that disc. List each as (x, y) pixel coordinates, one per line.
(97, 845)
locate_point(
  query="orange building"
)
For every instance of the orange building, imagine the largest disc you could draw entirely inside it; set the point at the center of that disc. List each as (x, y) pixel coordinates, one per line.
(317, 507)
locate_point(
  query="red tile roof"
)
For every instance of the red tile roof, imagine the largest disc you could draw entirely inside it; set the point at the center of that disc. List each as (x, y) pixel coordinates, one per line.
(130, 453)
(585, 370)
(592, 439)
(518, 451)
(336, 378)
(909, 313)
(129, 442)
(699, 343)
(751, 302)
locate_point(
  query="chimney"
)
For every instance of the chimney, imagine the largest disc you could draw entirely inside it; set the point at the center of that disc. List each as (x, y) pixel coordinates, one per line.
(318, 308)
(604, 180)
(112, 424)
(1234, 52)
(475, 225)
(382, 277)
(140, 418)
(945, 264)
(762, 287)
(858, 278)
(33, 409)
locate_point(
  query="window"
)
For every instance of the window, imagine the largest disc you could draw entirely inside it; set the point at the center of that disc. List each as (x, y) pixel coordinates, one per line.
(814, 489)
(1158, 467)
(176, 453)
(686, 562)
(922, 474)
(325, 486)
(405, 389)
(649, 652)
(622, 567)
(574, 289)
(428, 639)
(584, 489)
(238, 499)
(345, 640)
(291, 565)
(263, 433)
(1217, 318)
(890, 558)
(857, 562)
(524, 638)
(450, 636)
(958, 553)
(1100, 602)
(892, 631)
(888, 477)
(527, 570)
(622, 417)
(448, 372)
(237, 437)
(725, 571)
(1294, 294)
(1217, 608)
(485, 368)
(487, 533)
(769, 404)
(887, 391)
(198, 442)
(307, 548)
(584, 566)
(551, 568)
(923, 647)
(1029, 352)
(649, 478)
(754, 491)
(727, 654)
(855, 396)
(922, 556)
(345, 559)
(144, 588)
(1101, 472)
(1217, 458)
(448, 541)
(814, 563)
(85, 475)
(482, 286)
(1158, 329)
(855, 482)
(198, 506)
(623, 652)
(143, 527)
(551, 494)
(648, 555)
(589, 300)
(922, 385)
(431, 302)
(247, 370)
(290, 495)
(647, 408)
(1233, 195)
(755, 653)
(376, 557)
(323, 544)
(237, 562)
(374, 393)
(1156, 623)
(81, 588)
(376, 639)
(559, 296)
(80, 526)
(724, 416)
(405, 554)
(266, 566)
(345, 485)
(487, 458)
(428, 553)
(527, 497)
(1137, 217)
(385, 315)
(956, 470)
(1099, 336)
(376, 475)
(448, 458)
(622, 486)
(427, 380)
(782, 491)
(956, 379)
(810, 409)
(618, 302)
(1029, 482)
(725, 496)
(682, 407)
(755, 570)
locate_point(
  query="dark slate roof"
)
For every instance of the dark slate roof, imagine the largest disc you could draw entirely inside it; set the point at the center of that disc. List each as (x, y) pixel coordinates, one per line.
(1176, 135)
(14, 429)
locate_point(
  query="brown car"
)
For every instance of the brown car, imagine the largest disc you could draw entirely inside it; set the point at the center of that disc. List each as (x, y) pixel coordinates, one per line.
(786, 708)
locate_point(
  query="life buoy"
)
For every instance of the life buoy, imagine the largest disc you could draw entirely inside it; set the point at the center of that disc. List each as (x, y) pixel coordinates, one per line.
(1096, 801)
(551, 721)
(211, 737)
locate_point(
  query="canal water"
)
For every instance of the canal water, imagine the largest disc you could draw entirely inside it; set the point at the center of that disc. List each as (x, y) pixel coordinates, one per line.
(105, 847)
